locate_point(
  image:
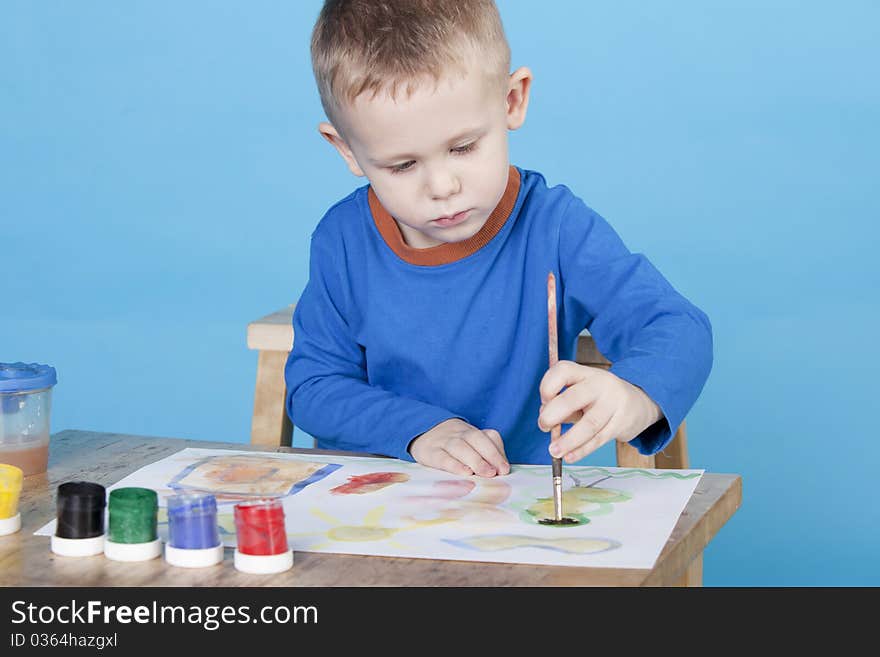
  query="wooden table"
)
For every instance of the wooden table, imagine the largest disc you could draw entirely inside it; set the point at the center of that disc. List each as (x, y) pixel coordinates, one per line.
(105, 458)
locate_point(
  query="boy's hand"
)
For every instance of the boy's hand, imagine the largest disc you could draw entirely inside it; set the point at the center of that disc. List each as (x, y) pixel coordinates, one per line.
(457, 447)
(599, 405)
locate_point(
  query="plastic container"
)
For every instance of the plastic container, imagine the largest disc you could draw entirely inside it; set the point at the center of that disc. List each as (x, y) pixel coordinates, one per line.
(79, 525)
(10, 490)
(25, 400)
(193, 537)
(131, 532)
(261, 538)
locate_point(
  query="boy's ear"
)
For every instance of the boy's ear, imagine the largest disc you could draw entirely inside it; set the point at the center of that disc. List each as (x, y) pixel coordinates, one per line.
(518, 97)
(332, 135)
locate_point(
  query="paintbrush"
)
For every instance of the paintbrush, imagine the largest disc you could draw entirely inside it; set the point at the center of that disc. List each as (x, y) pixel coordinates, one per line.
(554, 358)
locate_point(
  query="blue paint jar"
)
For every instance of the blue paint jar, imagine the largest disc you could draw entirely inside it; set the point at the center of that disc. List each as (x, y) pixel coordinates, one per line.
(193, 538)
(192, 521)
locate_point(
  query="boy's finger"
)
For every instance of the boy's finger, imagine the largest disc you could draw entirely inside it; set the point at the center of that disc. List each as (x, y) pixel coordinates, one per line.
(487, 443)
(602, 437)
(495, 437)
(443, 461)
(499, 458)
(564, 373)
(566, 404)
(591, 424)
(463, 451)
(571, 419)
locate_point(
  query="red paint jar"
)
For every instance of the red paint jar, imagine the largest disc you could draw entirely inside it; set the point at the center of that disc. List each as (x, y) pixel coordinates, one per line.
(259, 526)
(261, 537)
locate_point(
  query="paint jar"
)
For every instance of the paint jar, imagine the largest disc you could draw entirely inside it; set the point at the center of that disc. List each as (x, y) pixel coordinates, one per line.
(79, 523)
(10, 490)
(25, 398)
(261, 537)
(131, 527)
(193, 538)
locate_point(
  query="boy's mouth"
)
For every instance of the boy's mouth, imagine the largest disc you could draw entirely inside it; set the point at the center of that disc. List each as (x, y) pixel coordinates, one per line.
(453, 219)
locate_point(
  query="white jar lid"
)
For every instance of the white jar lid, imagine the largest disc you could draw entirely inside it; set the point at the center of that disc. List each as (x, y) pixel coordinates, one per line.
(78, 547)
(132, 551)
(193, 557)
(263, 564)
(10, 525)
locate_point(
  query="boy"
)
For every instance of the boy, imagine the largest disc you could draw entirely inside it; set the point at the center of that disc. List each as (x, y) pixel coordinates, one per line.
(422, 332)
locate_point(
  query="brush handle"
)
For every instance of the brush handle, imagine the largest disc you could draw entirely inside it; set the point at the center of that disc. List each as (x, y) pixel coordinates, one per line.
(553, 342)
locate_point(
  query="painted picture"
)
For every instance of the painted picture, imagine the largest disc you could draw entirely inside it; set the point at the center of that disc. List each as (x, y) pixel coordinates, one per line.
(617, 517)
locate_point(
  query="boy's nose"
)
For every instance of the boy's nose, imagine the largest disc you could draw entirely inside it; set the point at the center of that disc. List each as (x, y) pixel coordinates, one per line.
(443, 184)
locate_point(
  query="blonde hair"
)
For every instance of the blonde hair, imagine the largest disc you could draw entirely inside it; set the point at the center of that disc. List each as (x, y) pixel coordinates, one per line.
(375, 45)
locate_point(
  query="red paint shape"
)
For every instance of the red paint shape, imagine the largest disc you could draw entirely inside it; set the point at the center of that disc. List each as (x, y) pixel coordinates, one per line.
(362, 484)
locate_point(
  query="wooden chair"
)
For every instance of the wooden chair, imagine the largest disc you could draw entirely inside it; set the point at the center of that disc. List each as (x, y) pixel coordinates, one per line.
(272, 337)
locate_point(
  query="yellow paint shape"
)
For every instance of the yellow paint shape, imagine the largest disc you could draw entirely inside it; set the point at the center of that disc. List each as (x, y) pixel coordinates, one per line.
(326, 517)
(470, 511)
(358, 533)
(599, 495)
(10, 490)
(577, 501)
(373, 516)
(371, 530)
(226, 522)
(491, 492)
(543, 508)
(494, 543)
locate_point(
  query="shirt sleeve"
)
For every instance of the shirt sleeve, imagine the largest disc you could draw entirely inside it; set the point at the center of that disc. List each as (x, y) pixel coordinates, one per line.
(328, 394)
(654, 337)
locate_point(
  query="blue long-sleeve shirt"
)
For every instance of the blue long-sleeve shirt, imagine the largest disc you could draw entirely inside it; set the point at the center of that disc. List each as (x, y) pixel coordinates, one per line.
(385, 349)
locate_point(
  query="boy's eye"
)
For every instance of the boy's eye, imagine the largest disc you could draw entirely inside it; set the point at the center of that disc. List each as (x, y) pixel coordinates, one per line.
(400, 168)
(406, 166)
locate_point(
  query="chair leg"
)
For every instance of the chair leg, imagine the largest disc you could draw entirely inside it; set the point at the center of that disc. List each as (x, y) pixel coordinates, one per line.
(675, 455)
(270, 424)
(629, 457)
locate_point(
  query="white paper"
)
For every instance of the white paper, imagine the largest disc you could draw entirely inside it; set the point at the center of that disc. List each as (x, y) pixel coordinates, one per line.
(357, 505)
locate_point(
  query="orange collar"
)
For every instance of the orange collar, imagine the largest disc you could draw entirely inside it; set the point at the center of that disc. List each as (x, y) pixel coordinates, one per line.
(450, 252)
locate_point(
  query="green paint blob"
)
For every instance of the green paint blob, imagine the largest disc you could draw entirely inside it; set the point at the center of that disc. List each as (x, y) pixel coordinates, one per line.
(564, 522)
(535, 517)
(133, 514)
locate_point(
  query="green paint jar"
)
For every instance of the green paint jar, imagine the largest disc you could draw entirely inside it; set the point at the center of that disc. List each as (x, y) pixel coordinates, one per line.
(133, 513)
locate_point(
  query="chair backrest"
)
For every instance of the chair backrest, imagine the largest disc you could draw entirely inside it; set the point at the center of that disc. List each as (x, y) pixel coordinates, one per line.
(272, 336)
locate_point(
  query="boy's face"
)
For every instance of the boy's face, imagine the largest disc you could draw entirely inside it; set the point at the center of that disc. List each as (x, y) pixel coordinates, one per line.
(438, 160)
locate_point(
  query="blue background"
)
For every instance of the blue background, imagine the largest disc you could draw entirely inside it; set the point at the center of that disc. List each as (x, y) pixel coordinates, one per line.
(160, 175)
